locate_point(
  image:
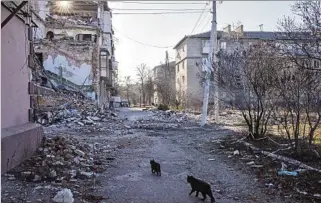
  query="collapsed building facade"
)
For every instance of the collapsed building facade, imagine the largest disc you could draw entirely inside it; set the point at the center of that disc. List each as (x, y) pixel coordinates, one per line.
(77, 49)
(51, 58)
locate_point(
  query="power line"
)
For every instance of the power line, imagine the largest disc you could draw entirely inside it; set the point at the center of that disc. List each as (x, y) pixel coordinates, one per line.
(206, 24)
(156, 9)
(142, 43)
(199, 18)
(143, 13)
(202, 21)
(178, 3)
(159, 13)
(209, 20)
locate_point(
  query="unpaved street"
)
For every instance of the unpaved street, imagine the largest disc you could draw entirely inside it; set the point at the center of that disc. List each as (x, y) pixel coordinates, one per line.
(130, 180)
(124, 147)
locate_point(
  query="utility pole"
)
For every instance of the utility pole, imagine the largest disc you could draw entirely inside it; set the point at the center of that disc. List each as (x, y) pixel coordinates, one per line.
(167, 79)
(211, 58)
(215, 71)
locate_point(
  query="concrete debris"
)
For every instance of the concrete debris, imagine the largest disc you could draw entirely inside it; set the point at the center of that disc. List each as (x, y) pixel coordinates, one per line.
(85, 174)
(64, 196)
(75, 112)
(153, 126)
(169, 116)
(60, 160)
(79, 152)
(250, 163)
(236, 152)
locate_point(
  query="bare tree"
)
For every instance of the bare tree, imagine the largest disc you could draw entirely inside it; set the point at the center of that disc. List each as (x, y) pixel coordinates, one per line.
(165, 82)
(149, 87)
(303, 39)
(180, 96)
(300, 108)
(164, 85)
(127, 86)
(299, 81)
(247, 75)
(142, 73)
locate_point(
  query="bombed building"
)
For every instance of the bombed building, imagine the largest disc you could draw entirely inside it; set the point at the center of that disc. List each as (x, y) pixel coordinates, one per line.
(77, 49)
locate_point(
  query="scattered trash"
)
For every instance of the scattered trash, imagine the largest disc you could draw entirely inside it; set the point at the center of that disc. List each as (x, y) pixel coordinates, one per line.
(64, 196)
(257, 166)
(250, 163)
(269, 185)
(287, 173)
(301, 192)
(236, 152)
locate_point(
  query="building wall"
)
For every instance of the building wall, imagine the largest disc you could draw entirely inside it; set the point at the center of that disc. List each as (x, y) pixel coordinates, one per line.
(71, 32)
(80, 74)
(107, 22)
(75, 60)
(194, 47)
(194, 89)
(40, 31)
(187, 81)
(14, 72)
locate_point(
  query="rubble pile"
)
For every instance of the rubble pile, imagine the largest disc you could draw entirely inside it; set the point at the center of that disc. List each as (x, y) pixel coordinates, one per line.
(75, 112)
(169, 116)
(52, 101)
(147, 125)
(61, 160)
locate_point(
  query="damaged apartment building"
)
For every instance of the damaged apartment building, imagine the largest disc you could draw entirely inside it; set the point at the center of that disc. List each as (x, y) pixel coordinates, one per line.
(77, 50)
(194, 49)
(50, 47)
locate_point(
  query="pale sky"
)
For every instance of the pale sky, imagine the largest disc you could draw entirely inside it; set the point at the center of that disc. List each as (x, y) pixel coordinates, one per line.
(167, 29)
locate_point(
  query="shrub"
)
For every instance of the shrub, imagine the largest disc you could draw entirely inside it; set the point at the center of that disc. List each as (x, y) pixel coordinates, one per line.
(163, 107)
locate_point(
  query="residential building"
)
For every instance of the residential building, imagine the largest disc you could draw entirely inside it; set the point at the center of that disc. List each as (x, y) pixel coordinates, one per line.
(194, 49)
(19, 136)
(164, 79)
(78, 46)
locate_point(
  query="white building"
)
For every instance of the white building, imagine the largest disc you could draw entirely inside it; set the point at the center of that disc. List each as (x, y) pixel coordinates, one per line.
(194, 49)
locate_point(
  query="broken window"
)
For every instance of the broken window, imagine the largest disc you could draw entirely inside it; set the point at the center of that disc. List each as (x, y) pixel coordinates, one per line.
(86, 37)
(39, 58)
(103, 62)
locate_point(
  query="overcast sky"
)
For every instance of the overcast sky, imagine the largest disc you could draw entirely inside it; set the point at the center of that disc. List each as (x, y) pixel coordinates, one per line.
(167, 29)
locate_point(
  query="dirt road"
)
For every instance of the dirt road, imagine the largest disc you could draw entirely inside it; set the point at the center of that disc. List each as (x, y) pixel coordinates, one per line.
(181, 149)
(180, 152)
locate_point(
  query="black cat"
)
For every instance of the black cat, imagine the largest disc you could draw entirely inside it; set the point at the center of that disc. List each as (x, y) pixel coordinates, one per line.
(200, 186)
(155, 167)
